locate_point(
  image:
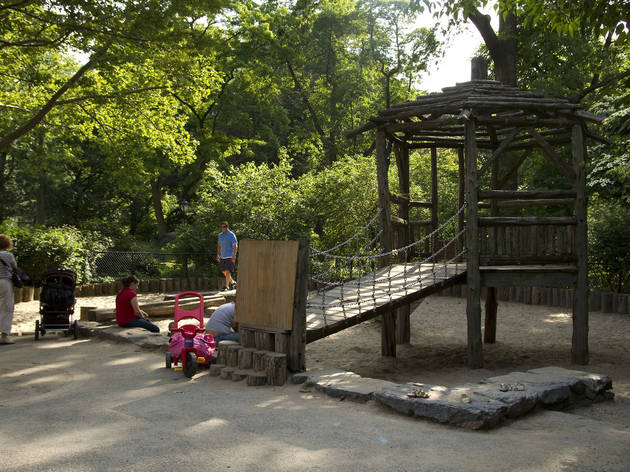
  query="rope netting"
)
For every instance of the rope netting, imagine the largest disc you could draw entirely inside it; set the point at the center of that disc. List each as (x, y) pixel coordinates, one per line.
(345, 283)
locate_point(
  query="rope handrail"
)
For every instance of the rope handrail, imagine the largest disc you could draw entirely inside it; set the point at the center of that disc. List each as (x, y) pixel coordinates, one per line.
(347, 241)
(397, 276)
(395, 252)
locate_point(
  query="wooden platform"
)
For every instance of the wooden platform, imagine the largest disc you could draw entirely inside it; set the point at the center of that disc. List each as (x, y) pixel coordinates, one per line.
(361, 299)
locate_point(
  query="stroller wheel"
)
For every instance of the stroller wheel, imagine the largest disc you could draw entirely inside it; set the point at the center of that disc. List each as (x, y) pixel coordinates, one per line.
(190, 368)
(169, 359)
(36, 330)
(75, 330)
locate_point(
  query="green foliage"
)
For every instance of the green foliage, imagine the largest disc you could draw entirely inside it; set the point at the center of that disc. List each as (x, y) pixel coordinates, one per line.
(609, 172)
(38, 250)
(609, 246)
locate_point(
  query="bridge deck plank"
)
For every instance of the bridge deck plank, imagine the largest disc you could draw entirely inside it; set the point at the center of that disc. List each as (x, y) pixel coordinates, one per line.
(344, 306)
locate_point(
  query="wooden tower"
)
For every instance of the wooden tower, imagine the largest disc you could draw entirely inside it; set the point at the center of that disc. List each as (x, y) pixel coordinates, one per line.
(506, 126)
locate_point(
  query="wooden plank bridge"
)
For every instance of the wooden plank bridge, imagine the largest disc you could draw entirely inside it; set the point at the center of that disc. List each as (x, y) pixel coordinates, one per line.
(369, 296)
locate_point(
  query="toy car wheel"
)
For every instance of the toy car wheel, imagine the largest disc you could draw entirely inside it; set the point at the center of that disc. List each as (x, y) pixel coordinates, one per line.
(36, 330)
(75, 330)
(169, 359)
(190, 368)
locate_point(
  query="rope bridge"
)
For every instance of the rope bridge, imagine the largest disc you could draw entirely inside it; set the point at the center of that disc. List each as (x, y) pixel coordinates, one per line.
(351, 288)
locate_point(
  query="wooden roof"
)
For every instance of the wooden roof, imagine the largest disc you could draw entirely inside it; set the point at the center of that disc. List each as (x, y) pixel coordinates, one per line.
(438, 119)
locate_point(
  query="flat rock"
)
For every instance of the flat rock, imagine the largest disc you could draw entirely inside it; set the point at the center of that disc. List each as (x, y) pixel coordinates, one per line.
(342, 384)
(489, 402)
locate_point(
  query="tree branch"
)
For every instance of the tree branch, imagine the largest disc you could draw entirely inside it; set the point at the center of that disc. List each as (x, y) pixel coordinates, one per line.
(7, 140)
(596, 84)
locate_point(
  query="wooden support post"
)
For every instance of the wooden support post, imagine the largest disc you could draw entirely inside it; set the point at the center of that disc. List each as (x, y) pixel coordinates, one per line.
(490, 326)
(579, 348)
(434, 199)
(296, 348)
(388, 334)
(383, 196)
(403, 324)
(473, 303)
(462, 197)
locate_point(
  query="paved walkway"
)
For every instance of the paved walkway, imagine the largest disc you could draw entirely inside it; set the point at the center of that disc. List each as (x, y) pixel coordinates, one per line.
(96, 405)
(482, 405)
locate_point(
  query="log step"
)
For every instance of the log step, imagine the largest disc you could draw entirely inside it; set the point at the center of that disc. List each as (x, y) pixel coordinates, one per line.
(240, 374)
(215, 369)
(255, 379)
(226, 372)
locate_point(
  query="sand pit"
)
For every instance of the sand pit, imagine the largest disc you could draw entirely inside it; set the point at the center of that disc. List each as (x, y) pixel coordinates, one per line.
(528, 337)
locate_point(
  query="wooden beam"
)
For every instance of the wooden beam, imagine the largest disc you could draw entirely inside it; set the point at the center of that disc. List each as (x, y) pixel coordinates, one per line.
(525, 194)
(396, 220)
(497, 153)
(434, 198)
(552, 155)
(412, 203)
(539, 202)
(526, 220)
(508, 175)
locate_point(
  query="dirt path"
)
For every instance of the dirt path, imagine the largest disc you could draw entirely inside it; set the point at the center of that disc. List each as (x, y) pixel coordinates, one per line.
(528, 337)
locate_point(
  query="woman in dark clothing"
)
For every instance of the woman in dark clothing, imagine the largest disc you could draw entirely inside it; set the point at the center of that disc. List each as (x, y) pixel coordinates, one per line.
(128, 312)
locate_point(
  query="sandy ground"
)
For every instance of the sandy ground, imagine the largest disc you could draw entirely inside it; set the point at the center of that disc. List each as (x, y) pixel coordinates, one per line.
(528, 337)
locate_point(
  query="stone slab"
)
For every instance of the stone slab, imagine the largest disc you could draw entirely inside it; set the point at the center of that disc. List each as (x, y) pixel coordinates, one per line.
(342, 384)
(491, 401)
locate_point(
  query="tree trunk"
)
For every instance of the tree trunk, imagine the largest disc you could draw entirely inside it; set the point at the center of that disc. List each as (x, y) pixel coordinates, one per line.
(156, 196)
(503, 48)
(40, 213)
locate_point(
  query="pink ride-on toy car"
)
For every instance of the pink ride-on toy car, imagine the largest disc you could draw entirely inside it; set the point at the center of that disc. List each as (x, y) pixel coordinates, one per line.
(188, 342)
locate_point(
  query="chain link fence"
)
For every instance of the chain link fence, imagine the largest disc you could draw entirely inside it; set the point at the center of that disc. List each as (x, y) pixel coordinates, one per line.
(114, 265)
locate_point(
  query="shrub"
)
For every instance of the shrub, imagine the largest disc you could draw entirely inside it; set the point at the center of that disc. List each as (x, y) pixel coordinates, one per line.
(609, 246)
(38, 250)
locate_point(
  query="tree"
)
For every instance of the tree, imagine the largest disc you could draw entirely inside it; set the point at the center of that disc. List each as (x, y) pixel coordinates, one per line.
(597, 21)
(99, 30)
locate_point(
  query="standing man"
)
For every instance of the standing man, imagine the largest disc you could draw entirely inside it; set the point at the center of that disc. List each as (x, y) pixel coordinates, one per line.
(226, 255)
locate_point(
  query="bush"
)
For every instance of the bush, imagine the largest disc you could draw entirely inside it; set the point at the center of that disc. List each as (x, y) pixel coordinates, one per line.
(38, 250)
(609, 246)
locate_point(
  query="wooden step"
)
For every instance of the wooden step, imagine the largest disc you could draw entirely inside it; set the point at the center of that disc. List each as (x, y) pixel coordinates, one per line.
(245, 358)
(256, 379)
(215, 369)
(226, 372)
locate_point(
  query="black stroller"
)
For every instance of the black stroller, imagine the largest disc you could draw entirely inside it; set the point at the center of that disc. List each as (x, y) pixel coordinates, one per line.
(56, 303)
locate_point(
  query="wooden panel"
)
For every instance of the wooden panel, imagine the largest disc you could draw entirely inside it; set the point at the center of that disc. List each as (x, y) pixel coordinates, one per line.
(266, 284)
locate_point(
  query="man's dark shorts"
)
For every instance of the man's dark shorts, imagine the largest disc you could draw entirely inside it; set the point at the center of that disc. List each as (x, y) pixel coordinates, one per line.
(226, 264)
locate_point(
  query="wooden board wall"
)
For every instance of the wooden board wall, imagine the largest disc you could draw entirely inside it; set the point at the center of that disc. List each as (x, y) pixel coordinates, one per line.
(266, 284)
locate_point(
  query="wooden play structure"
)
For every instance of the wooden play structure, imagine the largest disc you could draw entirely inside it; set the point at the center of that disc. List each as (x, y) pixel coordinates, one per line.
(494, 129)
(499, 241)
